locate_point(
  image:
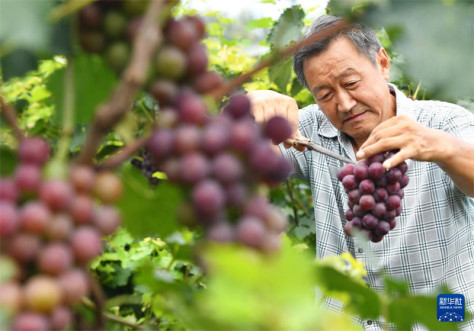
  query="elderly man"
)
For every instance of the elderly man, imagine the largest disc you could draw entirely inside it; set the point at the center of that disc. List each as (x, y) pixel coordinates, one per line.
(358, 114)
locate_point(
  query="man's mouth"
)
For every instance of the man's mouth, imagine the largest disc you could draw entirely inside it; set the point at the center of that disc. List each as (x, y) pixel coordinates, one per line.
(355, 117)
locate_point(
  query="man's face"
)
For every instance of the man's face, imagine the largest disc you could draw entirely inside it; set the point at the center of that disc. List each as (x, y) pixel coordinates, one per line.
(350, 90)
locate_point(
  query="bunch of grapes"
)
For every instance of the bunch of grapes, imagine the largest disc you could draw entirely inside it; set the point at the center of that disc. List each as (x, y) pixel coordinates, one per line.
(108, 28)
(221, 161)
(374, 195)
(146, 165)
(50, 230)
(181, 62)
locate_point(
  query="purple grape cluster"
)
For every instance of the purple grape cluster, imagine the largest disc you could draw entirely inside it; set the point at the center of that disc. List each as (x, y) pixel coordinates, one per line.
(108, 28)
(221, 161)
(374, 195)
(49, 231)
(181, 62)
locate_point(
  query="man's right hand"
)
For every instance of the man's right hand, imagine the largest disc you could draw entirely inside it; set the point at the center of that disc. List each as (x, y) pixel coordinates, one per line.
(267, 104)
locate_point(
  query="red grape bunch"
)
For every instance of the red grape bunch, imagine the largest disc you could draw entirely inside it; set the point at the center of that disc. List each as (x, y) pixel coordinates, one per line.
(108, 28)
(181, 62)
(375, 195)
(221, 161)
(49, 231)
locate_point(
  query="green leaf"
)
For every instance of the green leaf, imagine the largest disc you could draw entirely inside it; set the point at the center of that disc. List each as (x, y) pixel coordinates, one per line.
(39, 92)
(280, 74)
(23, 24)
(360, 299)
(446, 23)
(288, 28)
(264, 22)
(93, 81)
(8, 161)
(146, 211)
(406, 311)
(296, 87)
(273, 2)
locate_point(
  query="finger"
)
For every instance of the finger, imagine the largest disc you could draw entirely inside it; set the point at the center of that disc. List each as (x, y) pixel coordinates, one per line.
(381, 146)
(396, 159)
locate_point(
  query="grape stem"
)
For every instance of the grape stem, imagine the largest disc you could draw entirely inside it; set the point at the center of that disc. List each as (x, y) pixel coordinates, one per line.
(10, 115)
(111, 317)
(110, 113)
(123, 155)
(276, 57)
(68, 113)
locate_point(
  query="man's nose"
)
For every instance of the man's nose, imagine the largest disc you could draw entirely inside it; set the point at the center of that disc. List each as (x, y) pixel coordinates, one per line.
(345, 102)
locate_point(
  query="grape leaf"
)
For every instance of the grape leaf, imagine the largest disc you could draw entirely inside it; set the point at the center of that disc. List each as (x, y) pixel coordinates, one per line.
(264, 22)
(8, 161)
(146, 211)
(361, 299)
(93, 81)
(288, 28)
(280, 74)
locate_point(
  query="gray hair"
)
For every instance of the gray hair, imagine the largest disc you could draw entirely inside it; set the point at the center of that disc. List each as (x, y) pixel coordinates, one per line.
(364, 39)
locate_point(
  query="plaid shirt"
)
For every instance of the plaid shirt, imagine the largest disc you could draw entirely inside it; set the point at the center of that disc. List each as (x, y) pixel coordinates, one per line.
(433, 242)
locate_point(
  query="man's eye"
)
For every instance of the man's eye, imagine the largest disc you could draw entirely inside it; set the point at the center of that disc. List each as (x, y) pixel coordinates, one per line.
(351, 84)
(325, 96)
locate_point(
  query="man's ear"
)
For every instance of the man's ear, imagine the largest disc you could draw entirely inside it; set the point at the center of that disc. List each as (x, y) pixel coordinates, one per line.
(383, 62)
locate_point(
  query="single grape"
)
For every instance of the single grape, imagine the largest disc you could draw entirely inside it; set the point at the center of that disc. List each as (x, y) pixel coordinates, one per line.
(369, 221)
(56, 194)
(11, 298)
(86, 244)
(382, 228)
(191, 108)
(366, 186)
(393, 202)
(379, 210)
(367, 202)
(8, 190)
(82, 209)
(226, 168)
(28, 178)
(9, 219)
(170, 62)
(346, 170)
(108, 187)
(238, 106)
(164, 91)
(208, 197)
(278, 129)
(34, 217)
(349, 215)
(244, 135)
(380, 194)
(42, 294)
(206, 82)
(194, 167)
(250, 231)
(107, 220)
(354, 195)
(404, 181)
(349, 182)
(115, 24)
(361, 171)
(220, 232)
(33, 151)
(82, 178)
(55, 258)
(181, 33)
(74, 285)
(376, 170)
(27, 321)
(61, 318)
(196, 59)
(215, 138)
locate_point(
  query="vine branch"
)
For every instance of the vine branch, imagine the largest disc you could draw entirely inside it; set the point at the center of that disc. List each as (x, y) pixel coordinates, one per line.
(238, 81)
(108, 114)
(112, 317)
(123, 154)
(10, 115)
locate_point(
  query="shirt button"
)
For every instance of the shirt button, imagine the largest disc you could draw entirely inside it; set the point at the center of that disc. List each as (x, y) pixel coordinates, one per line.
(360, 250)
(369, 322)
